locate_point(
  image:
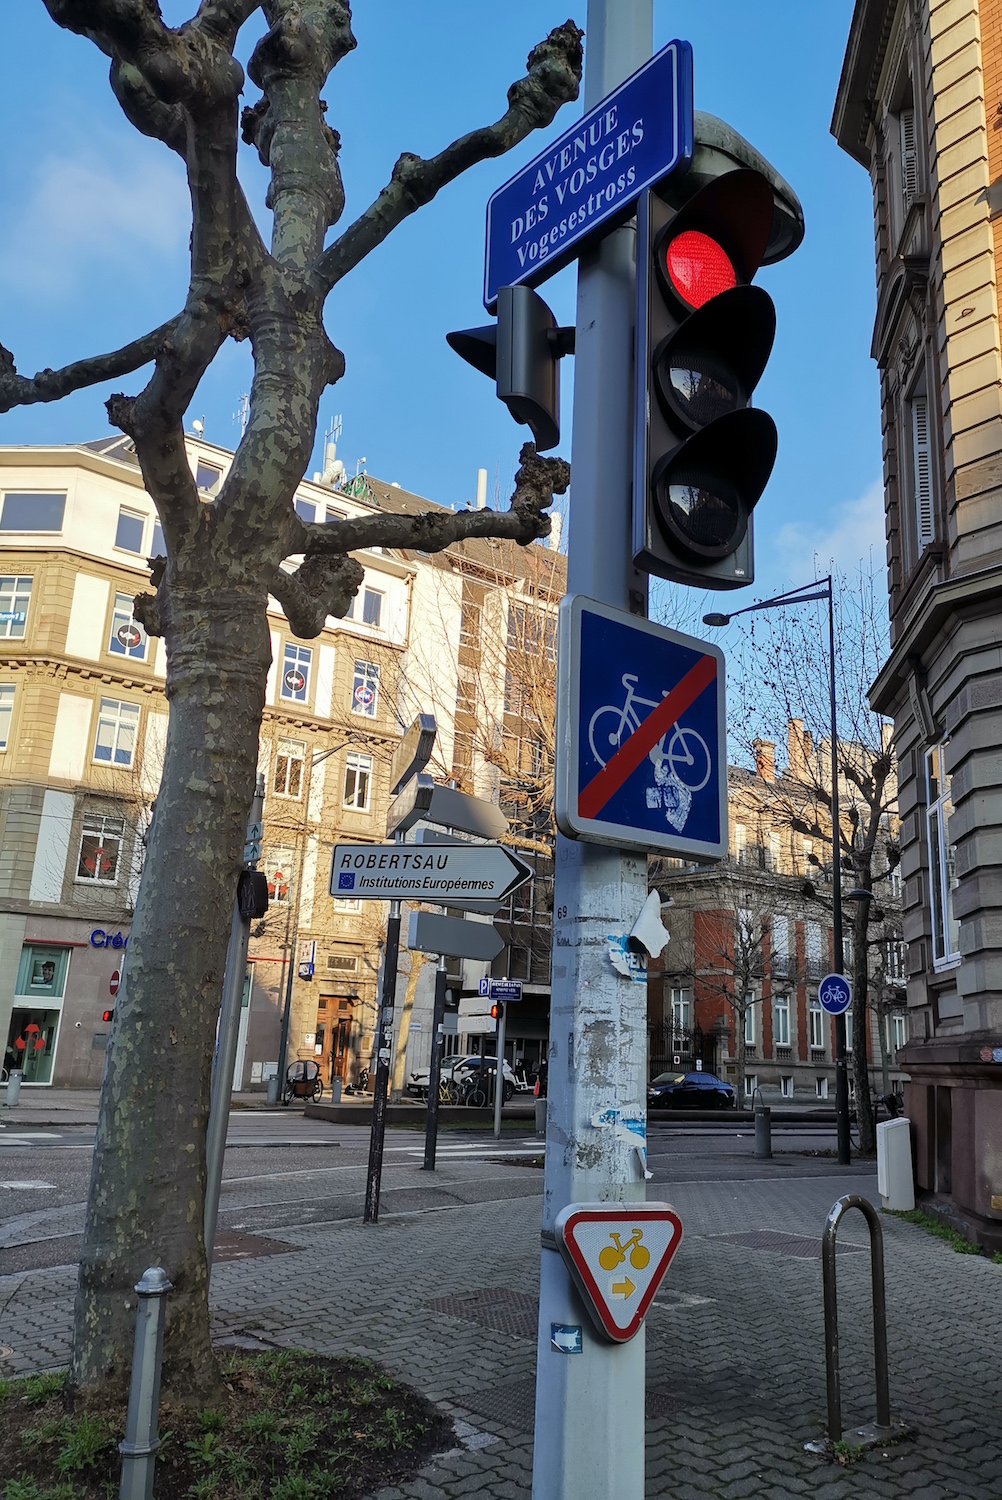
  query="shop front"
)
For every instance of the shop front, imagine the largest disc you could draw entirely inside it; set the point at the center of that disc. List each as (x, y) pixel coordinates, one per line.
(56, 1016)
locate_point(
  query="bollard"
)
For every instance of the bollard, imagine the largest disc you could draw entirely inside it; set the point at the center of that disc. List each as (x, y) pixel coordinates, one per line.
(878, 1432)
(763, 1128)
(13, 1086)
(139, 1450)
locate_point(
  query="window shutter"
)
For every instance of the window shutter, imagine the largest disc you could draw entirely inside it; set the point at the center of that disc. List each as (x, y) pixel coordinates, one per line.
(909, 156)
(923, 472)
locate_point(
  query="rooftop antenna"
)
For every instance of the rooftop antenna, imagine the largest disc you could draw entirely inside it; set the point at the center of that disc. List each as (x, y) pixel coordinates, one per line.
(198, 426)
(242, 413)
(333, 472)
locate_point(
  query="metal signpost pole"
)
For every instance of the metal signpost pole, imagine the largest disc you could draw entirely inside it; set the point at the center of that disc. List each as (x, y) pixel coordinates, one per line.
(384, 1042)
(499, 1069)
(234, 979)
(841, 1063)
(589, 1420)
(435, 1068)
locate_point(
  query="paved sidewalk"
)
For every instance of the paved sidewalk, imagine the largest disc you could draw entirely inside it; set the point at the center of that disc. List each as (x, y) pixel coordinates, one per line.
(38, 1107)
(446, 1300)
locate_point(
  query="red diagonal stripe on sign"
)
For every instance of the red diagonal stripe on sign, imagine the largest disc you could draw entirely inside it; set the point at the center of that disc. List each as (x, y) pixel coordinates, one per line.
(643, 739)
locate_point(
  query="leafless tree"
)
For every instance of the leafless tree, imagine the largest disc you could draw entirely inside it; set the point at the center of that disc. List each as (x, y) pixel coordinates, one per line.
(735, 953)
(182, 86)
(782, 691)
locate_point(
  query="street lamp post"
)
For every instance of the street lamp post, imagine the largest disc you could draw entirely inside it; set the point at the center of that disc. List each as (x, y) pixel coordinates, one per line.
(822, 589)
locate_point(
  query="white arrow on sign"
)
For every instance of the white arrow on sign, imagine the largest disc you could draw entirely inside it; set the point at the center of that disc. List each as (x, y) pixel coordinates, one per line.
(443, 874)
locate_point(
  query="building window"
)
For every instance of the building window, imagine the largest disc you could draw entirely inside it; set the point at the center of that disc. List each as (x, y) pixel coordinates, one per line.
(786, 1085)
(15, 596)
(740, 842)
(780, 948)
(816, 1022)
(751, 1084)
(357, 781)
(32, 512)
(289, 768)
(42, 971)
(894, 958)
(774, 853)
(681, 1009)
(128, 638)
(306, 510)
(922, 474)
(296, 673)
(942, 864)
(117, 723)
(821, 1088)
(365, 689)
(6, 713)
(158, 547)
(899, 1030)
(347, 903)
(100, 849)
(469, 624)
(129, 534)
(781, 1021)
(749, 1022)
(372, 608)
(278, 870)
(813, 939)
(207, 477)
(909, 157)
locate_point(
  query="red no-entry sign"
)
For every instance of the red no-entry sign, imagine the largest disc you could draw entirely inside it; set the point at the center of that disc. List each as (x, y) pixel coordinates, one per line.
(114, 982)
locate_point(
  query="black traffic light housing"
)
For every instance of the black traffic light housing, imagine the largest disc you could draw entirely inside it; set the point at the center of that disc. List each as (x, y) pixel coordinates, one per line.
(521, 352)
(703, 454)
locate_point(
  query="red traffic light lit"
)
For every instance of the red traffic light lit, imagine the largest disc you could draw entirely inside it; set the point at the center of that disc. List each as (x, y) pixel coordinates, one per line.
(495, 1012)
(107, 1015)
(698, 268)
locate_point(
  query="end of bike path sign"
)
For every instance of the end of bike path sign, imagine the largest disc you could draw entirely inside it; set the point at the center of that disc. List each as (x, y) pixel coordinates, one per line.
(642, 734)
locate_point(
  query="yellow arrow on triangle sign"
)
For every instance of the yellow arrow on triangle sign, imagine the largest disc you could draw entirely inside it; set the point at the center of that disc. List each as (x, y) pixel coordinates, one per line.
(623, 1288)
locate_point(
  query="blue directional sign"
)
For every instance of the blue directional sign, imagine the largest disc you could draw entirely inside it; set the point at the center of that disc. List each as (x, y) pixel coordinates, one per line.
(641, 726)
(501, 989)
(835, 994)
(590, 178)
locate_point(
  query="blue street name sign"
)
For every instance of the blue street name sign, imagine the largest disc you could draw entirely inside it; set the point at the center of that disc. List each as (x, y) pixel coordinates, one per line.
(501, 989)
(835, 994)
(591, 177)
(641, 712)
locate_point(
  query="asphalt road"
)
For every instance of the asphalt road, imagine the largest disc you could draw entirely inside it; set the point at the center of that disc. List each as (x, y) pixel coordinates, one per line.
(289, 1171)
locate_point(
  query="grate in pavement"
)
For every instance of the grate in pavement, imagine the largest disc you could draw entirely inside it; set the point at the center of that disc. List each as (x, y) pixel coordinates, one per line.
(803, 1246)
(496, 1307)
(513, 1403)
(412, 1200)
(231, 1245)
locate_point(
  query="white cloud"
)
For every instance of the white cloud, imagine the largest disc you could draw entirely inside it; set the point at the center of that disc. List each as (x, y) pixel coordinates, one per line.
(851, 534)
(85, 211)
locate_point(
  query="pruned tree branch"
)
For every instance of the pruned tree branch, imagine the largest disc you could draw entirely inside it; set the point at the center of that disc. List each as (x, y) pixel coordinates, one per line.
(536, 482)
(53, 385)
(552, 79)
(320, 586)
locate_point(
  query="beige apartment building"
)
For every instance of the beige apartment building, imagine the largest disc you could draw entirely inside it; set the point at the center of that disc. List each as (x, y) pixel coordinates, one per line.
(918, 107)
(83, 723)
(82, 731)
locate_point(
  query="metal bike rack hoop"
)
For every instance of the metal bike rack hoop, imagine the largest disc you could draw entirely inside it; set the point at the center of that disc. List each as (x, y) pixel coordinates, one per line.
(866, 1208)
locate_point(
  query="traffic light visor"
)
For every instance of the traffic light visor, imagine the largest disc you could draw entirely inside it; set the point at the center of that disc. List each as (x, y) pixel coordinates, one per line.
(705, 490)
(697, 268)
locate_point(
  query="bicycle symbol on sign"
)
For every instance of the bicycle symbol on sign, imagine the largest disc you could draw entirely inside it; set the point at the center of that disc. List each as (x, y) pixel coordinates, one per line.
(681, 767)
(612, 1255)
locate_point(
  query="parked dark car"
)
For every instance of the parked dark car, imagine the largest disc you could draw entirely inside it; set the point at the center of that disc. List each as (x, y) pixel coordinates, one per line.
(690, 1091)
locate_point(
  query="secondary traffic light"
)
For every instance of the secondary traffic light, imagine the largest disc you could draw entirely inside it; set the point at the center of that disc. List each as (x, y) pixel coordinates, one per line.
(495, 1012)
(703, 454)
(521, 352)
(107, 1015)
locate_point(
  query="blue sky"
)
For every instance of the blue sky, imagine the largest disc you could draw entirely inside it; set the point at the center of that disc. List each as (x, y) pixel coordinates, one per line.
(96, 230)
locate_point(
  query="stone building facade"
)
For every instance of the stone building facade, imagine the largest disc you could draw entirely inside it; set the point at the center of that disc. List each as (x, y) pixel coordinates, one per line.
(918, 107)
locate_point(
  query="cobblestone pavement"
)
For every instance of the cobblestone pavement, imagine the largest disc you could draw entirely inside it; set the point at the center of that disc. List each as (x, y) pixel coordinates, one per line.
(444, 1296)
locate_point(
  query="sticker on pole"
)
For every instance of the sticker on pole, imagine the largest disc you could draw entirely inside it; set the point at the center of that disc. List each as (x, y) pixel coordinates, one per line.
(617, 1256)
(641, 734)
(835, 994)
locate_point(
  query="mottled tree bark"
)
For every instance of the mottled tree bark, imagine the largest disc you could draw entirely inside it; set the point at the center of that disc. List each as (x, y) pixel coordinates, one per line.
(182, 86)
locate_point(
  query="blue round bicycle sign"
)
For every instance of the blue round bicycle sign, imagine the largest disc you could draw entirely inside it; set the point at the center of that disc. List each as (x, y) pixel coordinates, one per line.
(835, 994)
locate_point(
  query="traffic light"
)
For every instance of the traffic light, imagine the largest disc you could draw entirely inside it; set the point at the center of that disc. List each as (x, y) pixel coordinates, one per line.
(521, 352)
(495, 1012)
(108, 1015)
(703, 454)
